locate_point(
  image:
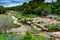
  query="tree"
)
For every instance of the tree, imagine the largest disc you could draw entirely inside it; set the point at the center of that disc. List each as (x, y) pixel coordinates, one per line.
(38, 1)
(2, 10)
(58, 0)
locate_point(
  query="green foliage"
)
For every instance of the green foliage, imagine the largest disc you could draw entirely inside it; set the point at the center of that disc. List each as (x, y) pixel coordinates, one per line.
(9, 36)
(39, 1)
(54, 28)
(2, 10)
(35, 7)
(55, 8)
(38, 37)
(14, 36)
(14, 26)
(28, 36)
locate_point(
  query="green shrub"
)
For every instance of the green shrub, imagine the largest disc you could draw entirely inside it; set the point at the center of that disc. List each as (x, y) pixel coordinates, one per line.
(14, 26)
(28, 36)
(9, 36)
(54, 28)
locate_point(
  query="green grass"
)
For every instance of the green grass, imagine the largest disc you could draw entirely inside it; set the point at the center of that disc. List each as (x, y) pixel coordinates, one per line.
(14, 26)
(27, 16)
(54, 28)
(15, 36)
(30, 36)
(38, 37)
(9, 36)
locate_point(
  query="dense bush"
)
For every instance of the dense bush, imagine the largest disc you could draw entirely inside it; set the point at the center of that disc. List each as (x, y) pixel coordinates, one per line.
(35, 7)
(2, 10)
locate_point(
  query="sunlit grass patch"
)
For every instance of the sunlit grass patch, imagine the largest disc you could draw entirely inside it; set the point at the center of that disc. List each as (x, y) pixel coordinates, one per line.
(9, 36)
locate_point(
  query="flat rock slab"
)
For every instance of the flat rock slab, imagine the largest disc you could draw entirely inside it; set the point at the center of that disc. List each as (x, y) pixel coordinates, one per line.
(54, 34)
